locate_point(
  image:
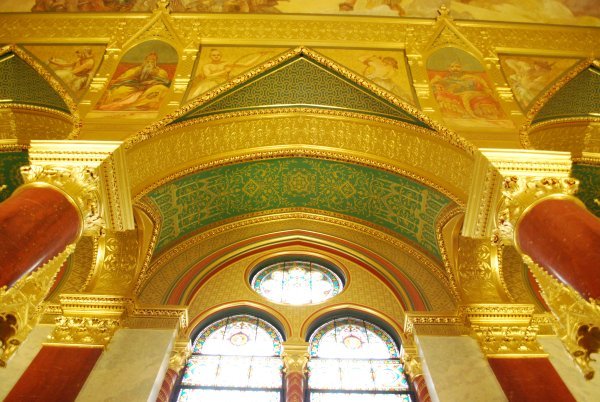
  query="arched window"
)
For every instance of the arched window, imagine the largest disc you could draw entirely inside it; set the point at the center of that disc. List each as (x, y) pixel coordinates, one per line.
(355, 361)
(234, 359)
(297, 282)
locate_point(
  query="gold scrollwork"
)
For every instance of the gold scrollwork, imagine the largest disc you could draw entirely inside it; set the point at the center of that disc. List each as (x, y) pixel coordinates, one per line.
(577, 320)
(80, 183)
(19, 305)
(521, 194)
(89, 331)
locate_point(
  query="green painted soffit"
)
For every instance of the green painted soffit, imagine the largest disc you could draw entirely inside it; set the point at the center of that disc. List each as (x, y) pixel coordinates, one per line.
(589, 185)
(10, 175)
(579, 97)
(20, 83)
(301, 82)
(392, 201)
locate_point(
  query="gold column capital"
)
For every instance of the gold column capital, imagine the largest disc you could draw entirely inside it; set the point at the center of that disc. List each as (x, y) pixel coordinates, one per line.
(181, 352)
(91, 174)
(89, 320)
(295, 357)
(503, 330)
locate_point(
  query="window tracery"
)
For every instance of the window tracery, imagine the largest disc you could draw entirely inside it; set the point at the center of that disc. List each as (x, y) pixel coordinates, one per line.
(236, 358)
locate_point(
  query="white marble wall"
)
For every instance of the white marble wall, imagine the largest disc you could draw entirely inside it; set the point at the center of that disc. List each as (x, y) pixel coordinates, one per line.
(132, 367)
(456, 370)
(20, 361)
(582, 389)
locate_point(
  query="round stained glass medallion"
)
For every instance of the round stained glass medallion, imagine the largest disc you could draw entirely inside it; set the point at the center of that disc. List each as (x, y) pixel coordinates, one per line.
(297, 282)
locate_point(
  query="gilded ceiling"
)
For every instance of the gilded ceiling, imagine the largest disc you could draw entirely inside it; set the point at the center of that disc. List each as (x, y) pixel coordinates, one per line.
(350, 137)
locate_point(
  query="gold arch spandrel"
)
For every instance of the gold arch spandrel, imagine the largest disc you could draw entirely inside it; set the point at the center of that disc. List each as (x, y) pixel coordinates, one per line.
(228, 283)
(349, 307)
(237, 304)
(427, 276)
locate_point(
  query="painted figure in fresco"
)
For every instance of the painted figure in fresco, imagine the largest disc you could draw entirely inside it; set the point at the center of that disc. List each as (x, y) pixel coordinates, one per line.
(218, 71)
(226, 6)
(394, 5)
(138, 88)
(82, 5)
(529, 78)
(382, 71)
(77, 74)
(464, 95)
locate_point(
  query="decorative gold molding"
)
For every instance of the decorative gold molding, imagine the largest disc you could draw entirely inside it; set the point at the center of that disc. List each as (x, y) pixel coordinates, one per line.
(577, 320)
(83, 331)
(19, 305)
(527, 176)
(483, 198)
(92, 173)
(295, 357)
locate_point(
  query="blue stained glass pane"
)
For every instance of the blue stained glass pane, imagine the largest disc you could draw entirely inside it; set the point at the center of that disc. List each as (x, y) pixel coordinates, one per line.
(209, 395)
(357, 397)
(297, 283)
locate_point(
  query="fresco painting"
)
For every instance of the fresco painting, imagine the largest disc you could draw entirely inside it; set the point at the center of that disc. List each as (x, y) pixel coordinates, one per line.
(568, 12)
(530, 76)
(142, 78)
(217, 65)
(75, 66)
(463, 91)
(387, 69)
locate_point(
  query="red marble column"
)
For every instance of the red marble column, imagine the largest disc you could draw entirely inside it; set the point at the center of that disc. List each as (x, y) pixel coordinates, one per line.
(167, 386)
(421, 389)
(36, 224)
(530, 380)
(294, 387)
(564, 238)
(56, 374)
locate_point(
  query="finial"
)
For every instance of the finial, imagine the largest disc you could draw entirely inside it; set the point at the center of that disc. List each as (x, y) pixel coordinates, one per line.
(444, 13)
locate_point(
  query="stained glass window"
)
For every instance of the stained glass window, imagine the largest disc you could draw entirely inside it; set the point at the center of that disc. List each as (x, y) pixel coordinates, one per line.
(236, 358)
(297, 282)
(354, 360)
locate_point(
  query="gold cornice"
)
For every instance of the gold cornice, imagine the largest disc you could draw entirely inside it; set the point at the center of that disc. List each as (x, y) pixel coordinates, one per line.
(296, 213)
(589, 158)
(12, 145)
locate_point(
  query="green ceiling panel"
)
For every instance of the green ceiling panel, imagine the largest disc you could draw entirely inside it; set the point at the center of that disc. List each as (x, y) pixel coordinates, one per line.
(302, 82)
(579, 97)
(22, 84)
(392, 201)
(589, 186)
(10, 175)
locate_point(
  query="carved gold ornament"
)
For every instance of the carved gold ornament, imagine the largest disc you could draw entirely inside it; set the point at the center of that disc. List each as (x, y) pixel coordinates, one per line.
(19, 305)
(295, 358)
(577, 320)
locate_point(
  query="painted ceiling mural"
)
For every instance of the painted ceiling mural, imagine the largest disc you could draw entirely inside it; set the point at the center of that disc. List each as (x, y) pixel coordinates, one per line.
(75, 66)
(569, 12)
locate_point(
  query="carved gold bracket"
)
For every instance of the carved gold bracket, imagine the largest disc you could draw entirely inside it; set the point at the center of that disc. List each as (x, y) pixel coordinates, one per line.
(578, 320)
(295, 357)
(19, 305)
